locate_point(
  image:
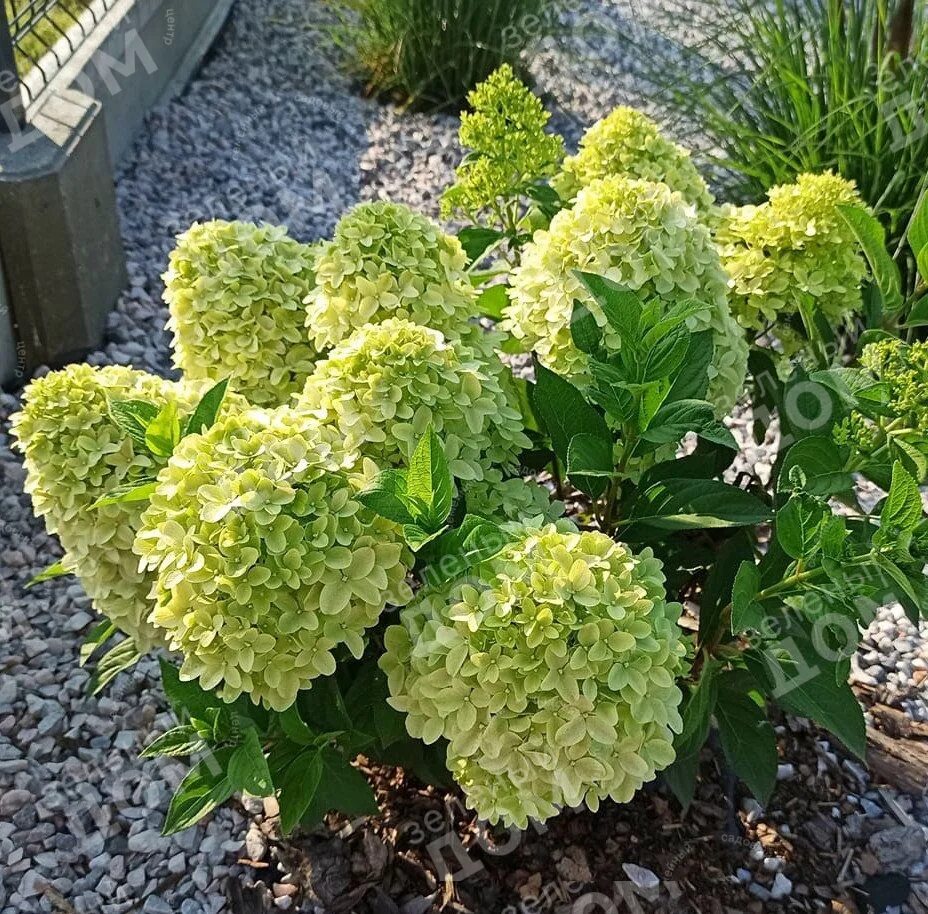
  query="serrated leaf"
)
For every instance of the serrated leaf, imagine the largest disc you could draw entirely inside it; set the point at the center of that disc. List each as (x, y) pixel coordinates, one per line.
(476, 241)
(918, 315)
(458, 550)
(697, 710)
(205, 787)
(746, 612)
(671, 319)
(747, 739)
(690, 504)
(55, 570)
(492, 301)
(418, 537)
(797, 525)
(564, 412)
(856, 389)
(621, 306)
(822, 462)
(163, 432)
(664, 356)
(652, 398)
(111, 664)
(346, 790)
(133, 417)
(178, 742)
(429, 480)
(610, 391)
(131, 493)
(207, 409)
(298, 788)
(248, 770)
(387, 496)
(584, 330)
(674, 420)
(295, 728)
(902, 511)
(872, 238)
(917, 233)
(589, 463)
(692, 380)
(187, 698)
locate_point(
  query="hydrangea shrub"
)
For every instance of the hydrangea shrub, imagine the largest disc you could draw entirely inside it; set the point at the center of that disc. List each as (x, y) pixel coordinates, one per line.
(551, 674)
(627, 142)
(235, 291)
(642, 236)
(384, 385)
(287, 564)
(387, 261)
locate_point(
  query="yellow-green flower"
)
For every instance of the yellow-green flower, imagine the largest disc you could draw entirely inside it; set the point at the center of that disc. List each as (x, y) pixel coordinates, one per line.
(794, 246)
(264, 560)
(386, 383)
(513, 499)
(550, 670)
(643, 236)
(627, 142)
(235, 293)
(387, 261)
(507, 149)
(75, 454)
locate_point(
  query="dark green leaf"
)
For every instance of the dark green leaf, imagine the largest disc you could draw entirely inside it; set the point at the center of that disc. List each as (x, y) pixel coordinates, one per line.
(697, 710)
(248, 770)
(589, 463)
(133, 417)
(692, 380)
(681, 504)
(719, 583)
(747, 739)
(298, 787)
(187, 698)
(917, 233)
(857, 389)
(797, 525)
(203, 789)
(610, 391)
(458, 550)
(681, 776)
(746, 612)
(344, 789)
(55, 570)
(872, 239)
(674, 420)
(476, 240)
(664, 356)
(903, 508)
(621, 307)
(652, 397)
(918, 316)
(584, 330)
(564, 412)
(386, 496)
(295, 728)
(822, 462)
(207, 409)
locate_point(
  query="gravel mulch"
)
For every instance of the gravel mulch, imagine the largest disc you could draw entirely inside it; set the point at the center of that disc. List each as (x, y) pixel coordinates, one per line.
(272, 129)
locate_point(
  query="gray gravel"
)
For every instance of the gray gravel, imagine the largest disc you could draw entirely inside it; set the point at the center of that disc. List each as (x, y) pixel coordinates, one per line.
(270, 129)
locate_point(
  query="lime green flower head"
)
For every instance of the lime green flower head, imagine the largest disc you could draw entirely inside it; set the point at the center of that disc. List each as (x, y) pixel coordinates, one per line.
(643, 236)
(795, 245)
(903, 368)
(75, 454)
(235, 293)
(627, 142)
(383, 386)
(264, 560)
(513, 499)
(387, 261)
(551, 673)
(508, 147)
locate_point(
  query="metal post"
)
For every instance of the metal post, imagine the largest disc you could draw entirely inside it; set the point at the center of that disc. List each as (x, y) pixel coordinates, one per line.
(12, 110)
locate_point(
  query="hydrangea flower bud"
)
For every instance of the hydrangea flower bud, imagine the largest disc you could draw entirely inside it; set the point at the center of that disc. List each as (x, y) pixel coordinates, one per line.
(643, 236)
(387, 261)
(264, 560)
(794, 245)
(383, 386)
(235, 293)
(75, 454)
(550, 671)
(628, 142)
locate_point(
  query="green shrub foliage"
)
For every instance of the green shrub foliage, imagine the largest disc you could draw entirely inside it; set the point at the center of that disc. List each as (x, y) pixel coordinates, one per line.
(363, 551)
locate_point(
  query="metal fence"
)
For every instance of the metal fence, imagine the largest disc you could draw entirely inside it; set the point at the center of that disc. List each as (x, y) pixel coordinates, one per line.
(37, 37)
